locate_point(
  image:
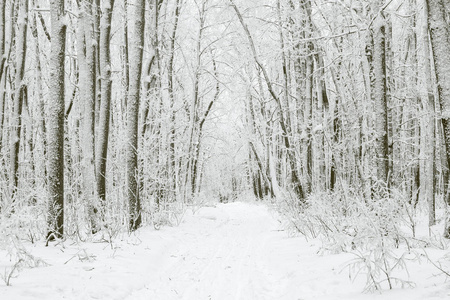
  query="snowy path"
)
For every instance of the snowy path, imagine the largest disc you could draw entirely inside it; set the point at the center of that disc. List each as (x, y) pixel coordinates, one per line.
(228, 252)
(228, 259)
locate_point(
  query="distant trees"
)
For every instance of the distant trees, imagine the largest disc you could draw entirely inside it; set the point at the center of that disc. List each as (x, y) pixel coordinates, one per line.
(199, 108)
(286, 131)
(357, 99)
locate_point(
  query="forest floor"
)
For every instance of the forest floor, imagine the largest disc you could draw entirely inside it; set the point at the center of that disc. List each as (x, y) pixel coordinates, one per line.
(238, 250)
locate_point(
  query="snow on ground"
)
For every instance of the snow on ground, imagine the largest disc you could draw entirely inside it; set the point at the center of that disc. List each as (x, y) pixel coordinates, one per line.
(230, 251)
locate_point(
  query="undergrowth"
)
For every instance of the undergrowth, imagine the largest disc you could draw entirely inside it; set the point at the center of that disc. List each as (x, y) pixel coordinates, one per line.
(380, 232)
(24, 221)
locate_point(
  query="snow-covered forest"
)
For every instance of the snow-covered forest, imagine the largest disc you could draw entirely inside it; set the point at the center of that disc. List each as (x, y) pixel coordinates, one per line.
(224, 149)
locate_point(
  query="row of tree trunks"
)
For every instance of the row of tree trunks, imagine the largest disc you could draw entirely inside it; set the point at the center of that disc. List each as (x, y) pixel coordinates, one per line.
(293, 149)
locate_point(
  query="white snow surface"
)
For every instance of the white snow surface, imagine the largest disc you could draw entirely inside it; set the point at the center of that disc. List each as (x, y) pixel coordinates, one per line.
(238, 250)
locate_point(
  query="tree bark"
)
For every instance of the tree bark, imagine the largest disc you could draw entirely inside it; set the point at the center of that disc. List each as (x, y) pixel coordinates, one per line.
(440, 42)
(126, 59)
(378, 95)
(95, 11)
(21, 44)
(105, 108)
(86, 59)
(308, 111)
(427, 98)
(170, 75)
(56, 121)
(2, 63)
(41, 102)
(136, 44)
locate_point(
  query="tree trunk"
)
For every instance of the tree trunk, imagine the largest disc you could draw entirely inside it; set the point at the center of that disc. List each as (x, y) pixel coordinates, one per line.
(16, 120)
(95, 11)
(307, 119)
(170, 75)
(136, 44)
(41, 102)
(195, 169)
(56, 121)
(86, 59)
(105, 108)
(427, 98)
(195, 137)
(2, 63)
(308, 112)
(126, 59)
(440, 42)
(378, 94)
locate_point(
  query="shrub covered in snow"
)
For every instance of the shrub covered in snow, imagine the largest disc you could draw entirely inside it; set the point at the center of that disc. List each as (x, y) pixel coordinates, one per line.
(379, 231)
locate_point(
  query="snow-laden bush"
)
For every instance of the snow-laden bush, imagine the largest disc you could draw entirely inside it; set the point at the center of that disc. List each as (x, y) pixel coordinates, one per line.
(371, 229)
(18, 224)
